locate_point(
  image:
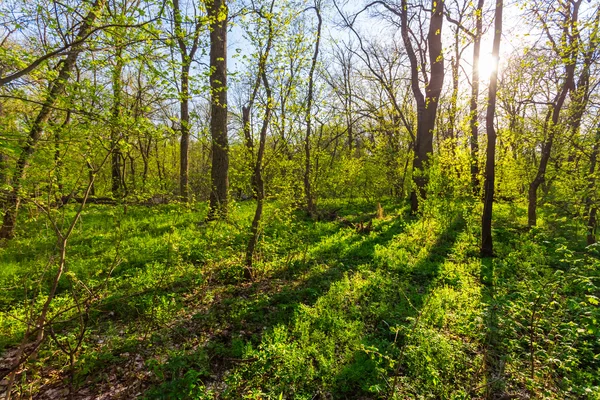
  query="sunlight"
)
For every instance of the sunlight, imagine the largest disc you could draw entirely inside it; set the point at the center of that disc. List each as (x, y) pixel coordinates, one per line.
(487, 65)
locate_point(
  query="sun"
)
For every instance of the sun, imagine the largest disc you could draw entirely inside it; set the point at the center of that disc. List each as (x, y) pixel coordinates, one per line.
(487, 65)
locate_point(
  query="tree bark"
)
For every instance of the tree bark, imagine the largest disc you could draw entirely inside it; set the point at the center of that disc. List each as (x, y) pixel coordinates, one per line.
(311, 206)
(3, 166)
(184, 147)
(426, 105)
(116, 113)
(490, 168)
(260, 184)
(591, 205)
(218, 14)
(474, 108)
(35, 133)
(187, 56)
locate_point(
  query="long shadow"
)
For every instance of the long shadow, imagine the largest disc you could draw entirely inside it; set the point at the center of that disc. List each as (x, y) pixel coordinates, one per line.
(251, 309)
(248, 309)
(493, 359)
(419, 281)
(257, 308)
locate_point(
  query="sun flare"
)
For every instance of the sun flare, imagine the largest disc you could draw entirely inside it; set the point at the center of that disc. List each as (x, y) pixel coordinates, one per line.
(487, 65)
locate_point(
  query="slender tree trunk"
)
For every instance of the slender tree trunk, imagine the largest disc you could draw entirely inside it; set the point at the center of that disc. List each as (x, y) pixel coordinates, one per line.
(311, 207)
(58, 163)
(187, 57)
(490, 168)
(218, 14)
(474, 108)
(159, 167)
(257, 174)
(116, 113)
(249, 142)
(591, 205)
(260, 185)
(3, 166)
(56, 89)
(132, 171)
(571, 50)
(91, 178)
(123, 175)
(145, 152)
(185, 133)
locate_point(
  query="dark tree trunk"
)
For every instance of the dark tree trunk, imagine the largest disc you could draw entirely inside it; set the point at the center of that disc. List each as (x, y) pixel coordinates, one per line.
(591, 205)
(426, 105)
(474, 108)
(37, 129)
(258, 181)
(3, 166)
(490, 168)
(311, 206)
(187, 56)
(260, 185)
(114, 133)
(185, 134)
(218, 14)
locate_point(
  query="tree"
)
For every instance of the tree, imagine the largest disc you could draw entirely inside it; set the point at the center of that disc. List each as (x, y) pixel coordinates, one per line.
(426, 105)
(474, 108)
(217, 11)
(490, 162)
(187, 50)
(567, 50)
(258, 181)
(311, 206)
(35, 133)
(591, 206)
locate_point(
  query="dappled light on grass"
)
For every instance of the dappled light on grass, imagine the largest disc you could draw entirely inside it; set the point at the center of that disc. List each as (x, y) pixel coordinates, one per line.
(404, 310)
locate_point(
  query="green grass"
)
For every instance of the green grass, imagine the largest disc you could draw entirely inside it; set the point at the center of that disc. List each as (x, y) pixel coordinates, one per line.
(331, 313)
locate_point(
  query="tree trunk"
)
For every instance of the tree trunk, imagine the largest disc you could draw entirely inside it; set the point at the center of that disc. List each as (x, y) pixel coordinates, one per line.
(591, 205)
(311, 207)
(114, 133)
(488, 202)
(260, 185)
(184, 97)
(37, 129)
(249, 142)
(3, 166)
(426, 105)
(185, 132)
(473, 123)
(218, 14)
(571, 51)
(257, 174)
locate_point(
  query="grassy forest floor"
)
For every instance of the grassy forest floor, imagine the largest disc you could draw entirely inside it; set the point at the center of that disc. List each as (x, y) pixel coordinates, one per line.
(154, 305)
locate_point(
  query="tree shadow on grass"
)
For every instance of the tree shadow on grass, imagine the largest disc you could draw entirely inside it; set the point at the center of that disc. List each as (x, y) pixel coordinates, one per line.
(246, 312)
(237, 311)
(407, 291)
(395, 296)
(493, 360)
(269, 305)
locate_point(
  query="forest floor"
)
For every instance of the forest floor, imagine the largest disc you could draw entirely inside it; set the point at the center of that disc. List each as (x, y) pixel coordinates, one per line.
(154, 305)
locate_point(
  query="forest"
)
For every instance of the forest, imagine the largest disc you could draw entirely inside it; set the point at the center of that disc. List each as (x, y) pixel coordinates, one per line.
(299, 199)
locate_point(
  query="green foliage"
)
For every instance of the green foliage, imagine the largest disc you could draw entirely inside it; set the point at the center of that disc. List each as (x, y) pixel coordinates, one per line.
(334, 312)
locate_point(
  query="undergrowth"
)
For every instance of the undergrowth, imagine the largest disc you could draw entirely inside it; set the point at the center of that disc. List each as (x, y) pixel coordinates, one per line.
(406, 310)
